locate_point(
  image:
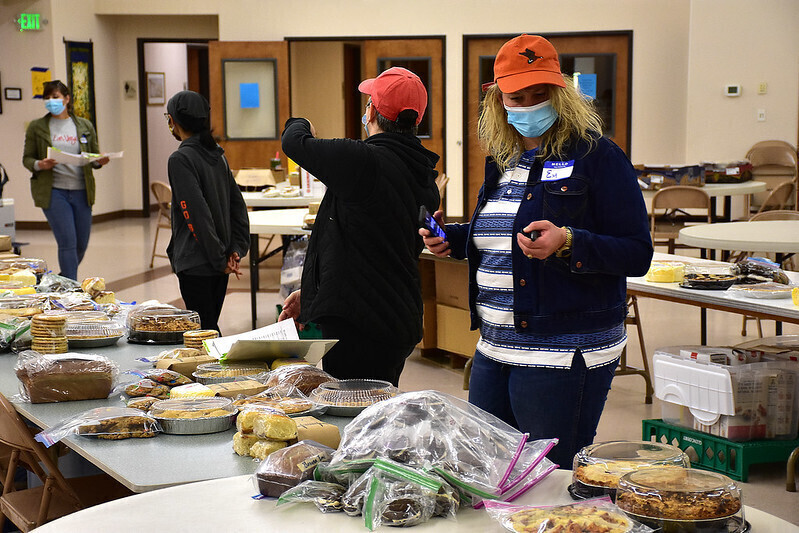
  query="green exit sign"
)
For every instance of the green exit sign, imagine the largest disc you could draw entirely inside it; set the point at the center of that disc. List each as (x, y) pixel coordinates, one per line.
(29, 22)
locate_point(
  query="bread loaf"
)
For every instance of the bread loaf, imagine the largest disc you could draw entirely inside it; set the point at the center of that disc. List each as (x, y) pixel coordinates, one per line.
(290, 466)
(66, 377)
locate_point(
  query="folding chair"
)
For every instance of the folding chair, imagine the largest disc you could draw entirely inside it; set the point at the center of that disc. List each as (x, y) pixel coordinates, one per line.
(163, 195)
(57, 496)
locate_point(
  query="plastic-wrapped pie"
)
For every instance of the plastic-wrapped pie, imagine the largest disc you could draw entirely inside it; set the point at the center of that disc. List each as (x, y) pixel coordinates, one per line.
(600, 517)
(207, 373)
(598, 467)
(350, 396)
(189, 416)
(160, 324)
(682, 500)
(709, 277)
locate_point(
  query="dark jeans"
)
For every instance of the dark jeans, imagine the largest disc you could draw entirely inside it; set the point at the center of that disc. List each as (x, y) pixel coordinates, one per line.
(544, 402)
(204, 294)
(70, 218)
(357, 356)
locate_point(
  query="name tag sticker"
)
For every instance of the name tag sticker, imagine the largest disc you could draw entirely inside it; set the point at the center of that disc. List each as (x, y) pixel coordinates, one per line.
(557, 170)
(83, 139)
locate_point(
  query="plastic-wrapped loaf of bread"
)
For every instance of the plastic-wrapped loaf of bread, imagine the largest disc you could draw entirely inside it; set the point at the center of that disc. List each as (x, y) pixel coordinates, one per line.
(304, 377)
(109, 423)
(64, 377)
(290, 466)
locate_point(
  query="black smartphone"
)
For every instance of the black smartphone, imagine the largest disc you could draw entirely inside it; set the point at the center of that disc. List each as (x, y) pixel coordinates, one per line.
(427, 221)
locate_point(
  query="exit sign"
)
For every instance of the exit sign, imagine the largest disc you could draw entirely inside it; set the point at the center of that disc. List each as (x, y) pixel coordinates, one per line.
(29, 22)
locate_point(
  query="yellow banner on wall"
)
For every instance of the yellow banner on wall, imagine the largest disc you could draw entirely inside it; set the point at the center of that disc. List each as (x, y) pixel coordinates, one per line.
(39, 76)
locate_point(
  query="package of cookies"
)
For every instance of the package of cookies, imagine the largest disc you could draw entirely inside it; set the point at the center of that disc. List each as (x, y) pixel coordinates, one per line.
(598, 467)
(670, 499)
(147, 387)
(158, 323)
(326, 496)
(108, 423)
(596, 515)
(166, 377)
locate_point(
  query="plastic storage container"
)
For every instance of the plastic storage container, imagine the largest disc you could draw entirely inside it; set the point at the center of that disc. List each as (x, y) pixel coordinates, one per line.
(208, 373)
(160, 325)
(675, 500)
(349, 397)
(598, 467)
(739, 401)
(192, 416)
(708, 277)
(666, 272)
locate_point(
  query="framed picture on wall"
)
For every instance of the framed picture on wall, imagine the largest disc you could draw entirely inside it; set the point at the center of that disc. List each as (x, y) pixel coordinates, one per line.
(80, 78)
(156, 89)
(13, 93)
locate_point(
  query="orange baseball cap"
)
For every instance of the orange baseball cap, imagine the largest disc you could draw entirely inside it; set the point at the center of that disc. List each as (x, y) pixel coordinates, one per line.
(524, 61)
(396, 90)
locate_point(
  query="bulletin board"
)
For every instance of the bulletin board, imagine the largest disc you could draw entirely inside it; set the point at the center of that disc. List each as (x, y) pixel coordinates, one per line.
(250, 96)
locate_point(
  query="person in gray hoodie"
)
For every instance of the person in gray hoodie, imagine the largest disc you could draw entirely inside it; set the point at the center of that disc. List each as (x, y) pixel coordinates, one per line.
(210, 226)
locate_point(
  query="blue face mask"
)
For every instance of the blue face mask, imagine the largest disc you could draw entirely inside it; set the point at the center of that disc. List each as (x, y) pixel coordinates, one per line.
(365, 122)
(54, 105)
(532, 121)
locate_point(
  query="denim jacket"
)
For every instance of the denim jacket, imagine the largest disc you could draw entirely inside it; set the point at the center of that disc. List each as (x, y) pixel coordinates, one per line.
(602, 204)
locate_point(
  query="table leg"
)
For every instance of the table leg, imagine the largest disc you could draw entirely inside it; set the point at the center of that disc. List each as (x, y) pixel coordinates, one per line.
(778, 328)
(254, 281)
(703, 326)
(727, 216)
(713, 217)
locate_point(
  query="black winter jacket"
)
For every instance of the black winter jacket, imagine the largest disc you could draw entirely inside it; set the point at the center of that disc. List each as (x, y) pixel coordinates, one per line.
(209, 216)
(362, 260)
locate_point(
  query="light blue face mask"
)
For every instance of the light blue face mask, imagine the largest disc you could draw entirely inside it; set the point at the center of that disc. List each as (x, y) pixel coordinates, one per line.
(54, 105)
(364, 122)
(532, 121)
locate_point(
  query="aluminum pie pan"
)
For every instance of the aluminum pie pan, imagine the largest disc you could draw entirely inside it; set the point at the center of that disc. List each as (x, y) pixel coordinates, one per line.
(196, 426)
(93, 343)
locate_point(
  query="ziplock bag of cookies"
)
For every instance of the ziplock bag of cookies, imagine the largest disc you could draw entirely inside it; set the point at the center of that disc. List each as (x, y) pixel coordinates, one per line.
(110, 423)
(326, 496)
(598, 514)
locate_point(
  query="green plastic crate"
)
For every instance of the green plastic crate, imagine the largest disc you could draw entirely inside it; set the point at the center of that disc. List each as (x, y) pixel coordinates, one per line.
(715, 453)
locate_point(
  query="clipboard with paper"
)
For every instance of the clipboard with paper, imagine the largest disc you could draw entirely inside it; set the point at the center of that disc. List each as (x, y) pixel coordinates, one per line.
(268, 343)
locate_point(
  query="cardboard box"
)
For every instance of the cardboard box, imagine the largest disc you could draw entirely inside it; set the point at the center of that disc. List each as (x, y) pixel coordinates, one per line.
(7, 221)
(452, 284)
(5, 243)
(310, 428)
(184, 365)
(453, 330)
(232, 389)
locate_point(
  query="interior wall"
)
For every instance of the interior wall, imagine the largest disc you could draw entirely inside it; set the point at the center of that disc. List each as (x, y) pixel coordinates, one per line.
(169, 58)
(317, 85)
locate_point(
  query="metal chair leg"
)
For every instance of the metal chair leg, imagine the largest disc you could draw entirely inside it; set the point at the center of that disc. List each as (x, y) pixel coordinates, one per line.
(623, 369)
(790, 484)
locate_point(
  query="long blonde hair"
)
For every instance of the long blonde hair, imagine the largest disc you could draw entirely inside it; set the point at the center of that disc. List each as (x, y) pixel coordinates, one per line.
(577, 118)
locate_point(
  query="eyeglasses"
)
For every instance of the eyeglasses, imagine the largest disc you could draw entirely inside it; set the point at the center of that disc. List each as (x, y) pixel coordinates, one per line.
(166, 116)
(369, 102)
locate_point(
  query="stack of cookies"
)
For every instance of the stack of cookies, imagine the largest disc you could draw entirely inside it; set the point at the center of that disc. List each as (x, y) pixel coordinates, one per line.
(194, 338)
(49, 333)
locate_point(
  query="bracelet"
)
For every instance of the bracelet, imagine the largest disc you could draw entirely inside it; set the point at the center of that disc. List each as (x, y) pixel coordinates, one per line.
(566, 249)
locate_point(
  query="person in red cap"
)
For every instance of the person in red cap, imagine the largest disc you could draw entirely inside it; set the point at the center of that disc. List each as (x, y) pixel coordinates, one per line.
(559, 225)
(360, 280)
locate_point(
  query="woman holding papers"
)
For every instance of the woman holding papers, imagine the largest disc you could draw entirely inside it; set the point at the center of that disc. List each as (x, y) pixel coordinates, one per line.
(64, 192)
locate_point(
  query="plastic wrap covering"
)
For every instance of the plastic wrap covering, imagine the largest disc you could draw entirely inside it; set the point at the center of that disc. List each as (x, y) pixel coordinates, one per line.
(349, 397)
(291, 271)
(174, 353)
(12, 328)
(70, 301)
(64, 377)
(304, 377)
(111, 423)
(157, 323)
(682, 500)
(598, 514)
(287, 398)
(164, 376)
(759, 269)
(54, 283)
(38, 266)
(193, 416)
(147, 387)
(288, 467)
(767, 290)
(708, 277)
(208, 373)
(470, 448)
(326, 496)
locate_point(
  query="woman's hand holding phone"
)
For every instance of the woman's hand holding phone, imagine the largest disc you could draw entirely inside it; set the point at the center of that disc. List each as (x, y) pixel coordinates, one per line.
(438, 245)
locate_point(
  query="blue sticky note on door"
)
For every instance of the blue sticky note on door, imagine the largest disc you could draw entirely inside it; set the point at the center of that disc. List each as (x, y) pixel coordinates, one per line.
(587, 84)
(248, 95)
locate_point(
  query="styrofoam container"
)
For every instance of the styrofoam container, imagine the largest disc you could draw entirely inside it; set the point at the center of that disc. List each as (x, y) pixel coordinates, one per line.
(741, 401)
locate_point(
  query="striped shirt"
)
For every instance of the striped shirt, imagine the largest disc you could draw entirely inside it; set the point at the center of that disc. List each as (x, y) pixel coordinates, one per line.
(492, 233)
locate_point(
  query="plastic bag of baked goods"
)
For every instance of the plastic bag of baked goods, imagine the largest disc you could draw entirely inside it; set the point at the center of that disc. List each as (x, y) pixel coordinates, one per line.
(470, 448)
(51, 282)
(10, 328)
(161, 375)
(326, 496)
(174, 353)
(758, 270)
(598, 514)
(147, 387)
(304, 377)
(285, 397)
(289, 467)
(64, 377)
(110, 423)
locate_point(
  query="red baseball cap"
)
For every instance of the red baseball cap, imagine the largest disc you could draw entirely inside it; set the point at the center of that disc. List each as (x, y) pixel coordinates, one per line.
(396, 90)
(524, 61)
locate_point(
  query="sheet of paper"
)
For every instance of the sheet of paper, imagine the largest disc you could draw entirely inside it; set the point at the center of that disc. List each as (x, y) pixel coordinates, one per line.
(283, 330)
(80, 160)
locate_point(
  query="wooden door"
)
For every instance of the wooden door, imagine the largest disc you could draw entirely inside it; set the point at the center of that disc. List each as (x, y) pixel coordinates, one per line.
(248, 81)
(609, 53)
(425, 57)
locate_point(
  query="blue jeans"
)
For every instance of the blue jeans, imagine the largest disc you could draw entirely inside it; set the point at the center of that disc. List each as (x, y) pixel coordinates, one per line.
(544, 402)
(70, 218)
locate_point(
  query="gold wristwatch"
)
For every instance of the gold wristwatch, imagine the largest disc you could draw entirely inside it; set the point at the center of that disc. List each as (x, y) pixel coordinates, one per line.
(566, 249)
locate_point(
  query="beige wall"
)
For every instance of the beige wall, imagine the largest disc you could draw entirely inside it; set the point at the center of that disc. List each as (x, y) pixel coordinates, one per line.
(684, 51)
